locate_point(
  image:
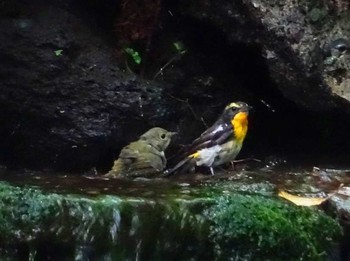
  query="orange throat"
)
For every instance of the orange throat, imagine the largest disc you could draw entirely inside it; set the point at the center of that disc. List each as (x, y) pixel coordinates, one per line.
(240, 126)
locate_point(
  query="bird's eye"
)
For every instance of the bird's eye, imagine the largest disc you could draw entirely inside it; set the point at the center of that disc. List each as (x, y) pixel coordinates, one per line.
(162, 136)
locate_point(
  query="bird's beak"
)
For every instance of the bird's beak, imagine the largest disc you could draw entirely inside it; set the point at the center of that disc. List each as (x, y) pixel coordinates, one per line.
(173, 133)
(246, 108)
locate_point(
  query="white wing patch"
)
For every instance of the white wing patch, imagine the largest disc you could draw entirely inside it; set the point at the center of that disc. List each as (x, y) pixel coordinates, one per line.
(220, 128)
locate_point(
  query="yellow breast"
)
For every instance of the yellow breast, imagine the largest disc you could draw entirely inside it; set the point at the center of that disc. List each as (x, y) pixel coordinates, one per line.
(240, 125)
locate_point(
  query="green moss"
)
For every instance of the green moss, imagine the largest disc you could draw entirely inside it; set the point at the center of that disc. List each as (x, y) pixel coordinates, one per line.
(236, 227)
(317, 14)
(27, 214)
(107, 225)
(259, 228)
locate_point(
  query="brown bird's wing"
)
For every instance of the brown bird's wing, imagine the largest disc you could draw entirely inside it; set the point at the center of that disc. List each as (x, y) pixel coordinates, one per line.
(129, 153)
(150, 160)
(141, 159)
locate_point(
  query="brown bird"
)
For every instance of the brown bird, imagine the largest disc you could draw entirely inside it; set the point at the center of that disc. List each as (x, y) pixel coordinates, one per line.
(144, 157)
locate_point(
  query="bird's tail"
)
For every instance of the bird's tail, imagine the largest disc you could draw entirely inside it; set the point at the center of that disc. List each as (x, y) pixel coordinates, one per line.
(117, 169)
(184, 165)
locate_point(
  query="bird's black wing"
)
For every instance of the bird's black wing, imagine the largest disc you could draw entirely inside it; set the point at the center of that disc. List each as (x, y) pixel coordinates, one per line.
(215, 135)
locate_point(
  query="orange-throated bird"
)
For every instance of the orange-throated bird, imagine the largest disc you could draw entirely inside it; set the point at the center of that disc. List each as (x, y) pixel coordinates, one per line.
(219, 144)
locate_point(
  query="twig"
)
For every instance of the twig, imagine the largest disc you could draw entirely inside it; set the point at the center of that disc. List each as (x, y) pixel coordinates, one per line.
(167, 64)
(191, 109)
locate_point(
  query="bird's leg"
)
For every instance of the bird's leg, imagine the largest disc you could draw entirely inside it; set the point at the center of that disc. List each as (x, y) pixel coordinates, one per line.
(233, 162)
(232, 165)
(212, 171)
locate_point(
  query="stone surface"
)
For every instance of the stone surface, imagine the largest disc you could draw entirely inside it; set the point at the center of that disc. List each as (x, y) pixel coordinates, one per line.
(154, 220)
(67, 103)
(295, 38)
(64, 102)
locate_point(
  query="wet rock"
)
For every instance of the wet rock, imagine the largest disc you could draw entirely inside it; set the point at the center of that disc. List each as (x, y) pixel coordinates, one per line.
(64, 102)
(239, 218)
(177, 223)
(294, 36)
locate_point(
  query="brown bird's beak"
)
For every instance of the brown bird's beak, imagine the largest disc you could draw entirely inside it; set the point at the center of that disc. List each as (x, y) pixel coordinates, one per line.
(246, 108)
(173, 133)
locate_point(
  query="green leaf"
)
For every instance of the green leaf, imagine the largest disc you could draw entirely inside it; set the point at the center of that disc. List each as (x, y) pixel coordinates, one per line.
(134, 55)
(58, 52)
(179, 46)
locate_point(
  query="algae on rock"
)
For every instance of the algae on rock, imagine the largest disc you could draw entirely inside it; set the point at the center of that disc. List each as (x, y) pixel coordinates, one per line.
(183, 227)
(259, 228)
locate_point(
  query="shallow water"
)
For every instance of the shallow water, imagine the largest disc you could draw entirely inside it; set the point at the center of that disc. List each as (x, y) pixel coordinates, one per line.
(294, 179)
(152, 202)
(94, 185)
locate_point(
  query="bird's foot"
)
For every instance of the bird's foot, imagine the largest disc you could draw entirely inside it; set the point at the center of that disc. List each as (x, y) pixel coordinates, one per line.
(234, 162)
(212, 171)
(167, 173)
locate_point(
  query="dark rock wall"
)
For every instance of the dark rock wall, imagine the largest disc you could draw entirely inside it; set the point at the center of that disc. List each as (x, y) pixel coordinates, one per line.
(68, 102)
(66, 110)
(295, 114)
(298, 40)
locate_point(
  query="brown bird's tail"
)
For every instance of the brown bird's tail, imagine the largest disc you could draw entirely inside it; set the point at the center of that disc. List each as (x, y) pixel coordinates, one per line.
(183, 166)
(117, 170)
(137, 169)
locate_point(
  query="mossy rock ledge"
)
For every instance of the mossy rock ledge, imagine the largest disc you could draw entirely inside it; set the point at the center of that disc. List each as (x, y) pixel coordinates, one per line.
(206, 225)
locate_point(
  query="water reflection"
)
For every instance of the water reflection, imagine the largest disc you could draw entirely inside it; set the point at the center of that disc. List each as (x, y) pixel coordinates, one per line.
(258, 181)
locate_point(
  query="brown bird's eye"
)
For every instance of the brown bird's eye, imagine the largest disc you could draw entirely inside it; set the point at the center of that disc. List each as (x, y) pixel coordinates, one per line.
(162, 136)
